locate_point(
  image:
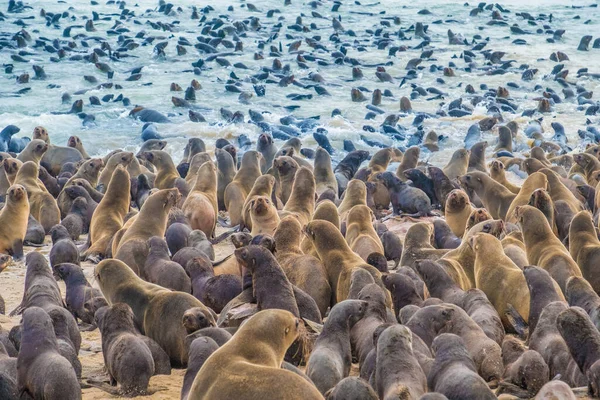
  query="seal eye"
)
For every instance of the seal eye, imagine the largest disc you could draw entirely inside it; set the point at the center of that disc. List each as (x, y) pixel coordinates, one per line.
(287, 330)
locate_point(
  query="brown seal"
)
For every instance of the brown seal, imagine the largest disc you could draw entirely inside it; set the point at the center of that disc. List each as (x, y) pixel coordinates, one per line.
(326, 211)
(42, 206)
(160, 270)
(559, 191)
(236, 192)
(360, 234)
(398, 373)
(379, 163)
(584, 247)
(514, 248)
(264, 216)
(477, 215)
(75, 142)
(331, 357)
(255, 353)
(110, 213)
(39, 352)
(263, 186)
(13, 221)
(285, 168)
(90, 171)
(543, 291)
(167, 176)
(195, 163)
(535, 181)
(213, 291)
(39, 132)
(583, 340)
(352, 388)
(457, 211)
(499, 278)
(355, 194)
(431, 141)
(200, 349)
(151, 221)
(303, 270)
(555, 390)
(323, 170)
(34, 151)
(477, 157)
(127, 358)
(409, 160)
(458, 164)
(495, 197)
(200, 207)
(505, 138)
(418, 245)
(302, 199)
(158, 312)
(544, 249)
(498, 173)
(337, 257)
(123, 158)
(451, 362)
(226, 172)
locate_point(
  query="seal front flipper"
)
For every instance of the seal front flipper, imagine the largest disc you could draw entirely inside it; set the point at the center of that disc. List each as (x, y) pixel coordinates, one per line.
(17, 249)
(517, 322)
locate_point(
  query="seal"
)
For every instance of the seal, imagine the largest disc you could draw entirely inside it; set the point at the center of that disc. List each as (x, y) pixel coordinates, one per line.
(360, 234)
(167, 176)
(263, 216)
(76, 220)
(267, 149)
(581, 294)
(499, 278)
(398, 372)
(263, 186)
(583, 340)
(498, 173)
(303, 270)
(34, 151)
(525, 375)
(458, 164)
(196, 318)
(555, 390)
(127, 359)
(158, 312)
(39, 352)
(347, 168)
(453, 372)
(226, 168)
(477, 158)
(160, 270)
(123, 158)
(63, 248)
(286, 168)
(236, 192)
(403, 290)
(337, 257)
(323, 171)
(302, 199)
(457, 211)
(200, 207)
(13, 221)
(194, 165)
(213, 291)
(409, 160)
(543, 248)
(584, 247)
(200, 349)
(255, 352)
(543, 291)
(352, 388)
(76, 143)
(42, 205)
(355, 194)
(110, 213)
(151, 221)
(79, 291)
(405, 199)
(417, 245)
(392, 247)
(534, 182)
(444, 238)
(496, 198)
(331, 357)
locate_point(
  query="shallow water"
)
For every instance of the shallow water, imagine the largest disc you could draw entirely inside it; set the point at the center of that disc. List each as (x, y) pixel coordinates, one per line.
(114, 128)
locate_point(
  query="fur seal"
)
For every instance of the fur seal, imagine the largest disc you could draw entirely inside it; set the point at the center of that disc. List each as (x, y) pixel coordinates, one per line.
(13, 221)
(417, 245)
(167, 176)
(495, 197)
(405, 199)
(34, 151)
(498, 173)
(200, 207)
(352, 388)
(398, 372)
(458, 164)
(360, 234)
(127, 358)
(226, 167)
(109, 216)
(285, 168)
(263, 186)
(409, 160)
(584, 247)
(323, 171)
(200, 350)
(123, 158)
(355, 194)
(267, 148)
(337, 257)
(263, 216)
(444, 238)
(79, 291)
(42, 205)
(302, 199)
(453, 372)
(158, 312)
(255, 352)
(150, 221)
(477, 158)
(236, 192)
(76, 143)
(63, 248)
(160, 270)
(213, 291)
(457, 211)
(331, 357)
(543, 291)
(303, 270)
(39, 352)
(543, 248)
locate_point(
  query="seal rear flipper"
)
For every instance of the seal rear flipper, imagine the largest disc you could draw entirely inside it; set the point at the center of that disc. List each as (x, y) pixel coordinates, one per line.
(517, 322)
(17, 250)
(225, 235)
(514, 390)
(219, 262)
(18, 310)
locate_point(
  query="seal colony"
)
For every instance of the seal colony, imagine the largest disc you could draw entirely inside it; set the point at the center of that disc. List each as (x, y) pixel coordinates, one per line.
(268, 245)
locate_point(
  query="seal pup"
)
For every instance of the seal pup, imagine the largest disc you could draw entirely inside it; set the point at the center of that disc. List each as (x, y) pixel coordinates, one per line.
(13, 221)
(160, 270)
(79, 291)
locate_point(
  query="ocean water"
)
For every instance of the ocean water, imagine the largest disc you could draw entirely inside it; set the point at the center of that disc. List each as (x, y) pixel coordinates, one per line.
(113, 128)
